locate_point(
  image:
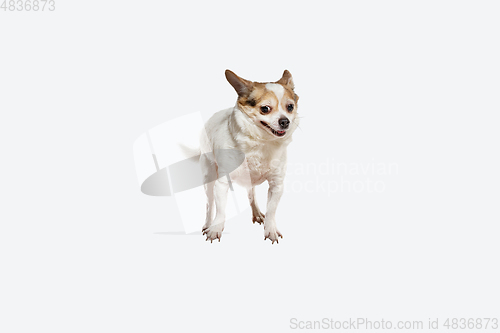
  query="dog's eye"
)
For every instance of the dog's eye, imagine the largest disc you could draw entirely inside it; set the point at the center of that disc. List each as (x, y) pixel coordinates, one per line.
(289, 107)
(265, 109)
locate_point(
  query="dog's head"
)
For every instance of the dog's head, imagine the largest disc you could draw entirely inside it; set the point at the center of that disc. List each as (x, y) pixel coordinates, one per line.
(272, 106)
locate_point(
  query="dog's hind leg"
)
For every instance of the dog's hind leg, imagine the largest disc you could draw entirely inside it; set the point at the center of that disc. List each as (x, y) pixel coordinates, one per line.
(257, 215)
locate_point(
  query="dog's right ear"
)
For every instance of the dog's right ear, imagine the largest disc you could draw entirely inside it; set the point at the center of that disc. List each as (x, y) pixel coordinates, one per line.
(243, 87)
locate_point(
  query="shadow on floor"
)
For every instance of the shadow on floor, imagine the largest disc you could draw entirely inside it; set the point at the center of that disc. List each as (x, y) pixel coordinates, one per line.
(181, 233)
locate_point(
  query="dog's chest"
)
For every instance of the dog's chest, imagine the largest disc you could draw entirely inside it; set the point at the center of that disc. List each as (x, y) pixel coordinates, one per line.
(257, 168)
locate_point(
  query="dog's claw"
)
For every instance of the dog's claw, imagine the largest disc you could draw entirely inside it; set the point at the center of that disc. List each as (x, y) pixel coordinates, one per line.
(214, 232)
(258, 217)
(272, 234)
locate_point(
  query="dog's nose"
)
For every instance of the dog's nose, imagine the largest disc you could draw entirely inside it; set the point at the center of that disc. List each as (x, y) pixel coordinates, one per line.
(284, 122)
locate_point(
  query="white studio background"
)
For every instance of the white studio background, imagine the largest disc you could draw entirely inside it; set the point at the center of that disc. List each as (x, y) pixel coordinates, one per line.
(406, 92)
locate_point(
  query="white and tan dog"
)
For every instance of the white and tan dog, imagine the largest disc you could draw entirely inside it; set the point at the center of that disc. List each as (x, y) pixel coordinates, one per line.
(260, 125)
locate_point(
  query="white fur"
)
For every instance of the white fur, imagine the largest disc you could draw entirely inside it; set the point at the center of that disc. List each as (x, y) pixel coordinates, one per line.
(265, 159)
(279, 92)
(277, 89)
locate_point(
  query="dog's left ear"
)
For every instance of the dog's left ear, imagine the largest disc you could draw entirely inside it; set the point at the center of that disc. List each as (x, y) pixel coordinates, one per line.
(286, 80)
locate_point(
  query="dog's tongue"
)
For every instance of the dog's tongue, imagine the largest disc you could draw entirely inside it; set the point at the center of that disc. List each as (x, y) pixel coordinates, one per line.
(280, 132)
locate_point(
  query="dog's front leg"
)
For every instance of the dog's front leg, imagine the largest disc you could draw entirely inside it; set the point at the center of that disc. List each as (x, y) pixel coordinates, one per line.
(273, 198)
(220, 195)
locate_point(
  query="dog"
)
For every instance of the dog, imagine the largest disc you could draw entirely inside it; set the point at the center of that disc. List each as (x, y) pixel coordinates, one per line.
(260, 126)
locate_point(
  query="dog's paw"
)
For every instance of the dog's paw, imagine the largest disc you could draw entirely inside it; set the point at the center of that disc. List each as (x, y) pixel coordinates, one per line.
(272, 233)
(258, 217)
(214, 232)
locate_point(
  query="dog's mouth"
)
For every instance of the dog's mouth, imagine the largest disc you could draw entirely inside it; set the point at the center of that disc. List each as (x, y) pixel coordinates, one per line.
(275, 132)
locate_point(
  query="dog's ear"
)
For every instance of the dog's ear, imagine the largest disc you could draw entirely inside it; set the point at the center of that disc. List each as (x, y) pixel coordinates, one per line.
(243, 87)
(286, 80)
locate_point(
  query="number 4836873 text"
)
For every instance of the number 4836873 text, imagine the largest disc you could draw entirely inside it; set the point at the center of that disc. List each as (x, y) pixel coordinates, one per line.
(28, 5)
